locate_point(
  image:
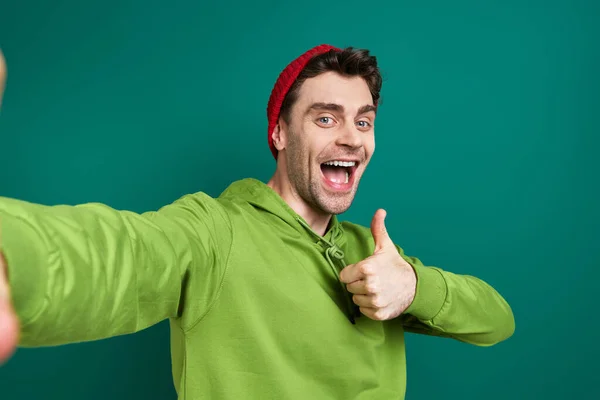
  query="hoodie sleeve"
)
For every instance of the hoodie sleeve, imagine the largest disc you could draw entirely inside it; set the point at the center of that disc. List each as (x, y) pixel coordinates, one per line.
(87, 272)
(462, 307)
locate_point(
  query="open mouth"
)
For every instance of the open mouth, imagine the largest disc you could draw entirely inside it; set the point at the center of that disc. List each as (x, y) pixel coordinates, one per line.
(339, 174)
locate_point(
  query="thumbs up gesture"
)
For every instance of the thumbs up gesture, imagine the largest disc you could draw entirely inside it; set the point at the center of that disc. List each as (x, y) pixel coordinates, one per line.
(383, 284)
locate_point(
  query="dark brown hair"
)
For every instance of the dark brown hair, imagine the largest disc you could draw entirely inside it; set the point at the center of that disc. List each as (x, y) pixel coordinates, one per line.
(348, 62)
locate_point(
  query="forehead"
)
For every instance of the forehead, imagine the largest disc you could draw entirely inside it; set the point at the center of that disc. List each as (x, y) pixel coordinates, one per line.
(330, 87)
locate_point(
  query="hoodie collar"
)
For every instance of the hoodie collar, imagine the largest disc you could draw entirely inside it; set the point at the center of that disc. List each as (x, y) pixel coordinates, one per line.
(260, 195)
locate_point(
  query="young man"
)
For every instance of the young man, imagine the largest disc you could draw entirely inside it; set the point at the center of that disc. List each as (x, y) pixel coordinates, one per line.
(268, 294)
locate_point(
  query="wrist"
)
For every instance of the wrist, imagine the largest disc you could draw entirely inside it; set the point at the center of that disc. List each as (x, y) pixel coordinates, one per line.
(430, 293)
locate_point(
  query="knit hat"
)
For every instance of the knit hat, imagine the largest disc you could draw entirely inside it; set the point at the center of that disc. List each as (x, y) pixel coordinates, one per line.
(282, 86)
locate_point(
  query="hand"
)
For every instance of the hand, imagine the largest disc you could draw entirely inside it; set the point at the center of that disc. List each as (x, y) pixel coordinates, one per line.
(2, 75)
(9, 326)
(383, 284)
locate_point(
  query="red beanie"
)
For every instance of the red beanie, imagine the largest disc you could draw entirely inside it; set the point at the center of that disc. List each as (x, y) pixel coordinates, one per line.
(283, 84)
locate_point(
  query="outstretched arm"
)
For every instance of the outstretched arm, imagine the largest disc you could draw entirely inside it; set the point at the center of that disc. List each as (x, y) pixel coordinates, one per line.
(87, 272)
(462, 307)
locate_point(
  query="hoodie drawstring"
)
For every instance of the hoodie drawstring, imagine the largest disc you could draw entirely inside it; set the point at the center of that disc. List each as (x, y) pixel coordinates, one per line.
(332, 252)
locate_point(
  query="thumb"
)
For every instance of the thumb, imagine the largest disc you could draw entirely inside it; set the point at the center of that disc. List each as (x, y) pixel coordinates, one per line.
(379, 231)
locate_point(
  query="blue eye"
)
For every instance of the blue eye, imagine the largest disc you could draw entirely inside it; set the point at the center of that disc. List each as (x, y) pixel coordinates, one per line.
(324, 120)
(363, 124)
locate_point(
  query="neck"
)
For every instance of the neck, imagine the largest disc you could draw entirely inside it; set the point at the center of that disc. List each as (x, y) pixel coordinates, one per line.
(317, 220)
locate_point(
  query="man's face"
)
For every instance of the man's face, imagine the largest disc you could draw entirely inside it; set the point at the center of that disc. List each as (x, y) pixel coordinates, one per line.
(330, 140)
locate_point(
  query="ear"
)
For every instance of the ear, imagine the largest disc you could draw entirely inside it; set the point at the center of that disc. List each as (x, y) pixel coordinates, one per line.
(279, 135)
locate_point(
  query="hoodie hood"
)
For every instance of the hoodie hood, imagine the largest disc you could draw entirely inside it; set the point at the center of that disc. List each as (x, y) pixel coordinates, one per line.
(262, 196)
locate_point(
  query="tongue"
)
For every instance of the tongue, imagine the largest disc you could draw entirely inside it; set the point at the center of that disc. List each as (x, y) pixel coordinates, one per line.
(334, 174)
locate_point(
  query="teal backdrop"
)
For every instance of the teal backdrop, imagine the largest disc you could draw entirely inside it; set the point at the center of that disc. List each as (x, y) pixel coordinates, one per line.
(487, 159)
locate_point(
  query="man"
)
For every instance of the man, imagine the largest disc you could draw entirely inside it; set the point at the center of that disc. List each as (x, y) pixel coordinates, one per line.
(268, 294)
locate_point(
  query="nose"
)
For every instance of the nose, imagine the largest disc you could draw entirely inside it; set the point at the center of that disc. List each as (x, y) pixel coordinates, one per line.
(349, 136)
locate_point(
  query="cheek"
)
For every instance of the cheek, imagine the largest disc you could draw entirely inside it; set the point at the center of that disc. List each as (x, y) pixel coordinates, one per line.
(314, 143)
(299, 153)
(369, 144)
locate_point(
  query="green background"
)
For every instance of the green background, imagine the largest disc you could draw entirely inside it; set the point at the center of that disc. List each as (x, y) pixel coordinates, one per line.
(486, 159)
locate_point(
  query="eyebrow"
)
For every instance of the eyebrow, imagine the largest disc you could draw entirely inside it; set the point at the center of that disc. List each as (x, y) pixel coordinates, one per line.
(339, 108)
(367, 108)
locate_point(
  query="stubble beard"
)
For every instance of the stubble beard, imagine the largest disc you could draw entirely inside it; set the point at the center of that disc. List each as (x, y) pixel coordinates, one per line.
(306, 181)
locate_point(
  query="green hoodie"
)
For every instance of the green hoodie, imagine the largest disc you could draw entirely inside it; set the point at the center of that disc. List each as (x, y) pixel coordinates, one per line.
(253, 295)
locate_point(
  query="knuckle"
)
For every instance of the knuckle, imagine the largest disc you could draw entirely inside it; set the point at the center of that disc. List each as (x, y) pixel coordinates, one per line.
(365, 268)
(380, 315)
(371, 287)
(378, 301)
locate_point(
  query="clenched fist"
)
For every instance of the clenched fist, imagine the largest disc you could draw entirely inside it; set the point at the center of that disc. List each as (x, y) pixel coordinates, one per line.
(383, 284)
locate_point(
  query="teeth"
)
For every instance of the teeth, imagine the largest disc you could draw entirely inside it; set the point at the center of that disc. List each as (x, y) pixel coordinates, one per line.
(341, 163)
(347, 177)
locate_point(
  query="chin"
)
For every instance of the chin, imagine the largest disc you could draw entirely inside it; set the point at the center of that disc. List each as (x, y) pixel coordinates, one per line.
(337, 210)
(333, 196)
(335, 202)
